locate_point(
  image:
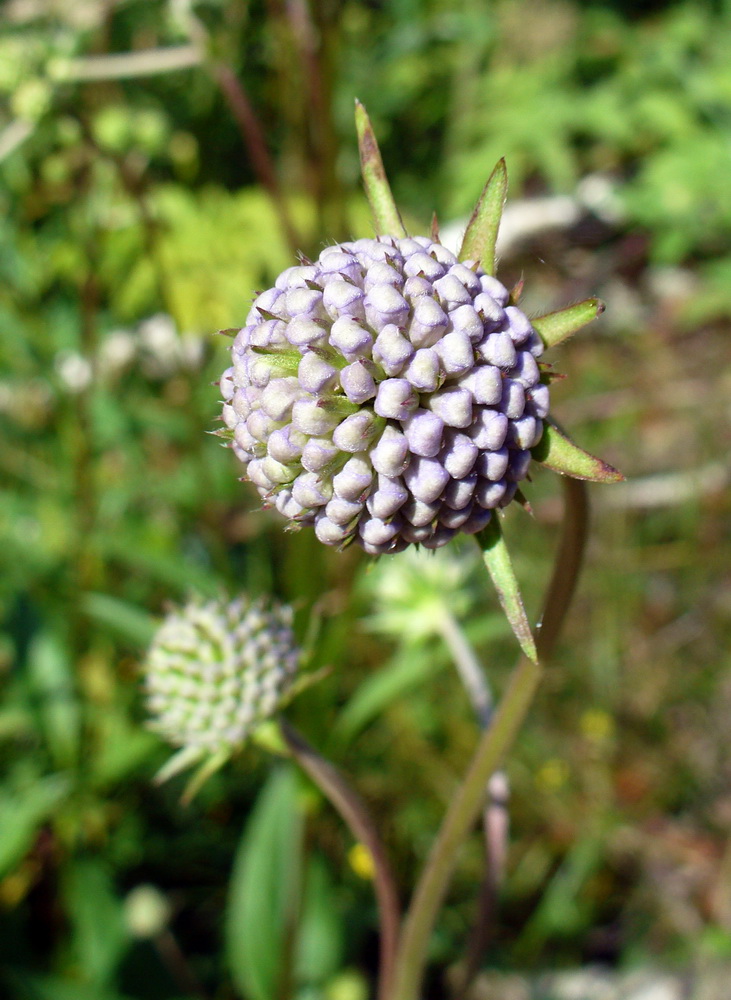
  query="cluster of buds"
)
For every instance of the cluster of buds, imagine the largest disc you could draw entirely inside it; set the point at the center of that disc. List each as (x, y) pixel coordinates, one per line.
(392, 393)
(216, 671)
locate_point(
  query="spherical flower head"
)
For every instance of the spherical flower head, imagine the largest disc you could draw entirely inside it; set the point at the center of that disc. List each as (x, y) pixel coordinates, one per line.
(387, 394)
(217, 670)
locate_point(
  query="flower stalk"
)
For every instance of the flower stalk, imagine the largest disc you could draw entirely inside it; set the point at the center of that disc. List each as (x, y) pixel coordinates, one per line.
(491, 749)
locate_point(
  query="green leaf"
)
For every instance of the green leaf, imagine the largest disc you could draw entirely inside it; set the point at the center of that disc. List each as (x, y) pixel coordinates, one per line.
(126, 620)
(99, 936)
(26, 986)
(480, 238)
(556, 452)
(406, 670)
(500, 567)
(52, 689)
(22, 813)
(320, 941)
(264, 890)
(386, 216)
(558, 326)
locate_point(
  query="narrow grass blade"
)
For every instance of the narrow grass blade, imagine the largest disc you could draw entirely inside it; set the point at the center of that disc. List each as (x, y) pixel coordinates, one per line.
(480, 237)
(556, 452)
(500, 567)
(385, 214)
(558, 326)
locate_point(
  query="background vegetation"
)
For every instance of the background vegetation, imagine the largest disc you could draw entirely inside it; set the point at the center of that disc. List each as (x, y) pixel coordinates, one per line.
(159, 162)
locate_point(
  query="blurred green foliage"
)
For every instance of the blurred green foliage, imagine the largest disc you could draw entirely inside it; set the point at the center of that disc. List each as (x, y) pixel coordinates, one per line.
(136, 218)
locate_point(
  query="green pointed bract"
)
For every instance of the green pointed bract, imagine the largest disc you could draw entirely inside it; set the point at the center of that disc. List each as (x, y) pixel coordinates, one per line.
(378, 191)
(558, 326)
(500, 567)
(556, 452)
(480, 238)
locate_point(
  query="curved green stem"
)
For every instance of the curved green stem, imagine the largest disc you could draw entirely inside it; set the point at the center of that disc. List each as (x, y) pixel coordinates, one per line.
(353, 811)
(494, 743)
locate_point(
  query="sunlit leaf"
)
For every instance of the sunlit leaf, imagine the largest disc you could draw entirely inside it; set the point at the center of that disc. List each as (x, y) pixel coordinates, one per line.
(264, 890)
(500, 567)
(480, 238)
(556, 452)
(558, 326)
(386, 215)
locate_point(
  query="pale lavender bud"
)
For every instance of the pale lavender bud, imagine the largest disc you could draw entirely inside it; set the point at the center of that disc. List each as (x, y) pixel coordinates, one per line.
(383, 273)
(296, 277)
(421, 265)
(519, 462)
(276, 472)
(357, 381)
(465, 320)
(329, 532)
(278, 397)
(416, 287)
(288, 506)
(493, 464)
(513, 399)
(485, 382)
(396, 398)
(444, 256)
(385, 305)
(423, 370)
(389, 496)
(311, 491)
(424, 431)
(356, 432)
(455, 351)
(374, 531)
(303, 333)
(428, 322)
(458, 492)
(497, 349)
(310, 416)
(494, 288)
(426, 478)
(525, 432)
(451, 292)
(525, 370)
(489, 430)
(343, 512)
(286, 444)
(305, 302)
(539, 400)
(520, 325)
(340, 298)
(354, 480)
(314, 374)
(339, 265)
(350, 337)
(269, 333)
(318, 454)
(256, 473)
(421, 513)
(268, 301)
(390, 456)
(489, 494)
(490, 312)
(453, 404)
(259, 425)
(467, 277)
(459, 454)
(391, 350)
